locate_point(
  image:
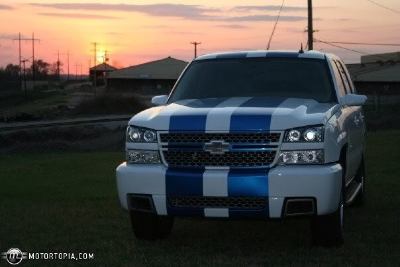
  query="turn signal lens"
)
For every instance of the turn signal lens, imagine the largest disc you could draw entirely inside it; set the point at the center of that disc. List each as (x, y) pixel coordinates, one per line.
(301, 157)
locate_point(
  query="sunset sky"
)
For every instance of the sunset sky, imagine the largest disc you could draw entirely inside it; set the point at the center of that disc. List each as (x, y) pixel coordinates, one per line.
(137, 31)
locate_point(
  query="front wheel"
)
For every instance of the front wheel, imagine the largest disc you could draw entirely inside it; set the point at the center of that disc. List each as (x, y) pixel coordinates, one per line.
(327, 230)
(148, 226)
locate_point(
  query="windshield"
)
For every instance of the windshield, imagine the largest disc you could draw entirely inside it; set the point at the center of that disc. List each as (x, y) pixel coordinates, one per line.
(260, 77)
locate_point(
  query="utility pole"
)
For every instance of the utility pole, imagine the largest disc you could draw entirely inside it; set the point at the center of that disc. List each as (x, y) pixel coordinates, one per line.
(33, 40)
(58, 65)
(20, 59)
(76, 71)
(24, 73)
(105, 60)
(68, 65)
(66, 54)
(94, 68)
(89, 66)
(195, 48)
(310, 28)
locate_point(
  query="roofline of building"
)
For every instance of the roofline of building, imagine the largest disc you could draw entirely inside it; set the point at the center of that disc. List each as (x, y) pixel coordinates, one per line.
(152, 62)
(98, 65)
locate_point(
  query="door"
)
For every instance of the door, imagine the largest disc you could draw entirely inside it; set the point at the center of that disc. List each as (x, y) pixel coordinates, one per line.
(355, 126)
(348, 121)
(359, 121)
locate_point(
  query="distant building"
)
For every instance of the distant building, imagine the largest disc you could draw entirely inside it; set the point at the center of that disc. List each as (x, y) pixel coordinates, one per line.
(376, 58)
(101, 71)
(377, 74)
(149, 78)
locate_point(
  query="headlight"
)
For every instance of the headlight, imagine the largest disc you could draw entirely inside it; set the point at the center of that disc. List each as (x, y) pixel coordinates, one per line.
(140, 135)
(301, 157)
(143, 157)
(305, 134)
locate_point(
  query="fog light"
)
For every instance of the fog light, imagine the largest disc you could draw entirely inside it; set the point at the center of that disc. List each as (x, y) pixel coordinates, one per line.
(302, 157)
(143, 157)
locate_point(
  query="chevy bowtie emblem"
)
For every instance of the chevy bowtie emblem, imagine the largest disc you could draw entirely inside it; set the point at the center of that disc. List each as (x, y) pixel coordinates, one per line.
(216, 147)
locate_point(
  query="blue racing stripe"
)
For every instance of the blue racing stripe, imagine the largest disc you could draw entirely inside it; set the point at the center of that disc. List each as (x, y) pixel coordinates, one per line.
(193, 122)
(188, 123)
(251, 182)
(248, 183)
(180, 182)
(243, 122)
(257, 121)
(188, 182)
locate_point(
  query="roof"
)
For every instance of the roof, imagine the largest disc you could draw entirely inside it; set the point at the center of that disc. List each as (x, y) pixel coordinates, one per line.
(386, 57)
(264, 53)
(375, 72)
(164, 69)
(103, 67)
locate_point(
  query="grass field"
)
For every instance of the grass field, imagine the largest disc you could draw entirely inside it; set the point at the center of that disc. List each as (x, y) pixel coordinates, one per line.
(68, 202)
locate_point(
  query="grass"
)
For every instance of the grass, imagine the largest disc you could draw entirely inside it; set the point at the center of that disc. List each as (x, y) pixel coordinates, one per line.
(37, 105)
(68, 202)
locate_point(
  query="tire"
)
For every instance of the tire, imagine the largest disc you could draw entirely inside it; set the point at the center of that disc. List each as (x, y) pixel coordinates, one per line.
(328, 230)
(360, 177)
(148, 226)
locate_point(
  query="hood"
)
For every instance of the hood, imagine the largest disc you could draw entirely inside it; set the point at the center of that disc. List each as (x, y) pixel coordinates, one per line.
(235, 114)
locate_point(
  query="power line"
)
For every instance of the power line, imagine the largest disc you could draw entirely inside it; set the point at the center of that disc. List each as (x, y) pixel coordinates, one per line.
(338, 46)
(33, 40)
(276, 23)
(356, 43)
(385, 7)
(348, 49)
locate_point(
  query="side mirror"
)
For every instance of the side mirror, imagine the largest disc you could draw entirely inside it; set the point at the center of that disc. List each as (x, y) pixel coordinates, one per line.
(353, 100)
(159, 100)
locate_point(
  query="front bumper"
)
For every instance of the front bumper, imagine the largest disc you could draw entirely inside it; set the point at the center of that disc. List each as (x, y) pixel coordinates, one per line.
(320, 182)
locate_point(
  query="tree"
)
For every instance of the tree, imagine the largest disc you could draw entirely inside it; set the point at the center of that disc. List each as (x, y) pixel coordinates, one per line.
(12, 70)
(42, 69)
(9, 73)
(56, 68)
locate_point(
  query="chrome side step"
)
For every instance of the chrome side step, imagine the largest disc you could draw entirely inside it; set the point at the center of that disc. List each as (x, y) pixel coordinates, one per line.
(352, 191)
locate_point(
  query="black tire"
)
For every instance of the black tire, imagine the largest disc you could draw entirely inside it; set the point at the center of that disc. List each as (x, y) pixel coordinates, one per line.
(360, 178)
(327, 230)
(148, 226)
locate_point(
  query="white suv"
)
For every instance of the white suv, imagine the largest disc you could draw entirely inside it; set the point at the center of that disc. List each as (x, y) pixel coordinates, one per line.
(260, 134)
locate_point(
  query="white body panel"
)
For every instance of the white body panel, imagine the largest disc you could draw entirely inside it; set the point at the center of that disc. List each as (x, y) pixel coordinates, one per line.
(344, 131)
(321, 182)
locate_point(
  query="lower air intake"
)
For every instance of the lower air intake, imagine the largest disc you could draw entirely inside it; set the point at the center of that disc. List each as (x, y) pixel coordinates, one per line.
(253, 203)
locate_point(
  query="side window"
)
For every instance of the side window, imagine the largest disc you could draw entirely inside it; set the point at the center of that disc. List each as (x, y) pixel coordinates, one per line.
(347, 80)
(346, 72)
(342, 76)
(339, 79)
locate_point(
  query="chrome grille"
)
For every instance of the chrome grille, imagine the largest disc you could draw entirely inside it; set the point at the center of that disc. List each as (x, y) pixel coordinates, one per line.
(236, 150)
(254, 203)
(180, 158)
(227, 137)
